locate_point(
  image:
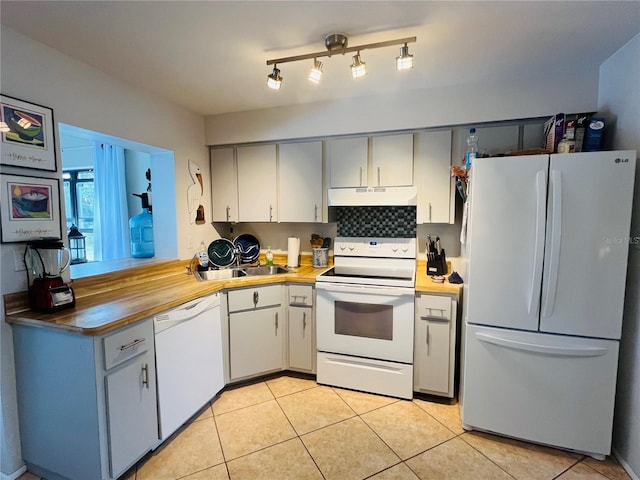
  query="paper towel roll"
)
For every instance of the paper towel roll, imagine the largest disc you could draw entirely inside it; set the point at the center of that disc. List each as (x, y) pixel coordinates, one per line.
(293, 251)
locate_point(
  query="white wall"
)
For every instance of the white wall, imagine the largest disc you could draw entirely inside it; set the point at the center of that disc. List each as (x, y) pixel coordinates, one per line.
(84, 97)
(541, 95)
(619, 99)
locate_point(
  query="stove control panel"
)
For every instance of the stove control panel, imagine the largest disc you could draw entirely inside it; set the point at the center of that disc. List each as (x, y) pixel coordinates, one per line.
(375, 247)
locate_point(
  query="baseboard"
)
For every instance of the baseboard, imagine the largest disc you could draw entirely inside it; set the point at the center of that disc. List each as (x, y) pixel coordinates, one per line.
(15, 475)
(625, 465)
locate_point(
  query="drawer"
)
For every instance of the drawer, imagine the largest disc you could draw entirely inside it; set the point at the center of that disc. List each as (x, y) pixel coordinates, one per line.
(252, 298)
(434, 307)
(301, 295)
(127, 343)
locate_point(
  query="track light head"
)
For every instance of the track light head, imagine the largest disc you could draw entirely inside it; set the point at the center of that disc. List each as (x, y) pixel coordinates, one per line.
(405, 60)
(358, 67)
(315, 74)
(274, 80)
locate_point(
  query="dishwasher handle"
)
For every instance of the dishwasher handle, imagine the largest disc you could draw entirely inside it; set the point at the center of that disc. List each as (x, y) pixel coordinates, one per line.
(188, 311)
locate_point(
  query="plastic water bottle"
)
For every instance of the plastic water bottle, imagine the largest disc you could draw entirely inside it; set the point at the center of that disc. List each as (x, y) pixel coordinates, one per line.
(141, 231)
(472, 148)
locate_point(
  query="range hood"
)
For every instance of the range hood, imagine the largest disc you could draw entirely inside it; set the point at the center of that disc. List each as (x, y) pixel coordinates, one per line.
(372, 196)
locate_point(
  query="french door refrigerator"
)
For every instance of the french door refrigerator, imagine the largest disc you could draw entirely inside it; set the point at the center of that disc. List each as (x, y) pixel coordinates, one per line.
(547, 246)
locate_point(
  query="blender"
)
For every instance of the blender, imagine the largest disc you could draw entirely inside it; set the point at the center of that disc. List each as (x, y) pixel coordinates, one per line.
(45, 260)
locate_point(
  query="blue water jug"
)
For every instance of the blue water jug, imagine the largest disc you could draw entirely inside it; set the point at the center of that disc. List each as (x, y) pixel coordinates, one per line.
(141, 230)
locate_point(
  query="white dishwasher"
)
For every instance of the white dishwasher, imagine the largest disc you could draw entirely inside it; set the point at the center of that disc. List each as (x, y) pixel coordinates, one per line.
(188, 360)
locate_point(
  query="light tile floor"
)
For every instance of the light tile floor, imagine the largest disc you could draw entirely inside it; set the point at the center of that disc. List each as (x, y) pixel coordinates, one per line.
(292, 428)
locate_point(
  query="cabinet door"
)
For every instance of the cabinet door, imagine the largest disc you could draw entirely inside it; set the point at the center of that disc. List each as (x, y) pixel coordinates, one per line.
(224, 185)
(348, 162)
(436, 201)
(300, 338)
(257, 186)
(131, 412)
(434, 347)
(300, 182)
(392, 160)
(255, 342)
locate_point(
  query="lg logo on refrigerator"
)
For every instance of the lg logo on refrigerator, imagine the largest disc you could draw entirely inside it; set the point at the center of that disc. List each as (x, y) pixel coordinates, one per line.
(621, 160)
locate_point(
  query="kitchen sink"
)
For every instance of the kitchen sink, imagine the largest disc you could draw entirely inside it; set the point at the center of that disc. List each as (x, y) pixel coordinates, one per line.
(223, 274)
(265, 270)
(239, 272)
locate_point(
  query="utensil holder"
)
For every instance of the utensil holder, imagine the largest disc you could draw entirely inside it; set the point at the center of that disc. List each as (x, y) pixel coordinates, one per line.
(320, 257)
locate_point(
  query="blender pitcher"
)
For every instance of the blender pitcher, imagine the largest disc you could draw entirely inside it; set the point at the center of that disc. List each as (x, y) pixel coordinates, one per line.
(45, 260)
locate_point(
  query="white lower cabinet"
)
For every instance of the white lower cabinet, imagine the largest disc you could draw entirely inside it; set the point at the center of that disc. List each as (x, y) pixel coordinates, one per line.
(87, 404)
(302, 352)
(435, 345)
(129, 403)
(256, 331)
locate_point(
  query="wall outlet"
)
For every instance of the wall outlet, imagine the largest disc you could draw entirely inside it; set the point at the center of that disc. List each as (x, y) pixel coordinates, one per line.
(18, 261)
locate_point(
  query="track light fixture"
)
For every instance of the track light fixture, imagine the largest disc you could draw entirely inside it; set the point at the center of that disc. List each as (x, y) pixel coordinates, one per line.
(405, 60)
(274, 80)
(336, 43)
(358, 67)
(315, 74)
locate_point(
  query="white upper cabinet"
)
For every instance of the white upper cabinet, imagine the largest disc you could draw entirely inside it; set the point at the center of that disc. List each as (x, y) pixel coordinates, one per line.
(224, 185)
(392, 160)
(348, 162)
(436, 200)
(257, 187)
(300, 182)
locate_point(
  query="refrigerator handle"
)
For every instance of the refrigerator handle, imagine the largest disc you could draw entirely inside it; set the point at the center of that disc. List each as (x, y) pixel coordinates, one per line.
(567, 351)
(556, 234)
(536, 278)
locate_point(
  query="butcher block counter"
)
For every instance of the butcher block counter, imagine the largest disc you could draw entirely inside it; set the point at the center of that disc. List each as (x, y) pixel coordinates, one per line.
(113, 300)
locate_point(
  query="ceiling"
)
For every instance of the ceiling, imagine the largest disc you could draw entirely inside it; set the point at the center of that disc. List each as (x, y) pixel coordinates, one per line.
(210, 56)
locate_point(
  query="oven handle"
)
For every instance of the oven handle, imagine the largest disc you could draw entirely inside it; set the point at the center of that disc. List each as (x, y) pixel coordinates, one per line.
(366, 289)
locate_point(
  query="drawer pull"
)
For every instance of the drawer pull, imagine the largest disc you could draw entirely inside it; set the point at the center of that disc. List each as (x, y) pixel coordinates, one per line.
(132, 344)
(256, 298)
(304, 323)
(145, 375)
(296, 297)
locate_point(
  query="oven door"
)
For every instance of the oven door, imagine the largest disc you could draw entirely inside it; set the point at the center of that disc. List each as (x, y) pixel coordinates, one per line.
(366, 321)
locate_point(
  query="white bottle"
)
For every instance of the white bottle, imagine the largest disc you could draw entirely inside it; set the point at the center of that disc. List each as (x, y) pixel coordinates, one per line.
(269, 256)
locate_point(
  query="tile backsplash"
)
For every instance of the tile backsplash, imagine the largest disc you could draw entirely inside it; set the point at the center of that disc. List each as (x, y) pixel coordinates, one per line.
(391, 222)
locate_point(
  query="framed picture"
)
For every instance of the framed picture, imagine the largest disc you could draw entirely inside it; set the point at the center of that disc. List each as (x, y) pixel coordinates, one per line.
(29, 208)
(27, 135)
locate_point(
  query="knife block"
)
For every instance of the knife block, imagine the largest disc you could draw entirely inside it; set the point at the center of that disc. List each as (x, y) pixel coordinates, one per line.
(436, 263)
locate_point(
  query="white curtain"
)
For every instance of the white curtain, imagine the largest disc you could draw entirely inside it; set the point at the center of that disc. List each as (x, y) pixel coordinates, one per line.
(111, 216)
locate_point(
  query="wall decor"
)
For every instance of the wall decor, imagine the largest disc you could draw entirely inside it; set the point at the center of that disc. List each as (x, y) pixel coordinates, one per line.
(27, 135)
(29, 208)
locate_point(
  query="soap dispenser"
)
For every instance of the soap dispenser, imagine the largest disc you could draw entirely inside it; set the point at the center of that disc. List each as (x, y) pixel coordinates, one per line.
(269, 256)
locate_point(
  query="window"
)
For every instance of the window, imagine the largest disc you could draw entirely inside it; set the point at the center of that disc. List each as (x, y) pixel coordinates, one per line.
(79, 201)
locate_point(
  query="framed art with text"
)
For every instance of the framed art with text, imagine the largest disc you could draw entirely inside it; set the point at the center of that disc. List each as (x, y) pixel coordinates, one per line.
(29, 208)
(27, 135)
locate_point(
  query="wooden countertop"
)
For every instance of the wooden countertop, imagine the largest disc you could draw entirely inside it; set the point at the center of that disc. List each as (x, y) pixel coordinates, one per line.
(113, 300)
(424, 283)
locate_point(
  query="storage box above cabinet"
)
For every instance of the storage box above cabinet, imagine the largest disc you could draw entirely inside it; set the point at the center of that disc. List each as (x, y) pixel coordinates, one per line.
(391, 161)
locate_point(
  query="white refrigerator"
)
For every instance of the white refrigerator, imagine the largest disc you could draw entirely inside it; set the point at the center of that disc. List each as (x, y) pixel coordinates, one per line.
(547, 246)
